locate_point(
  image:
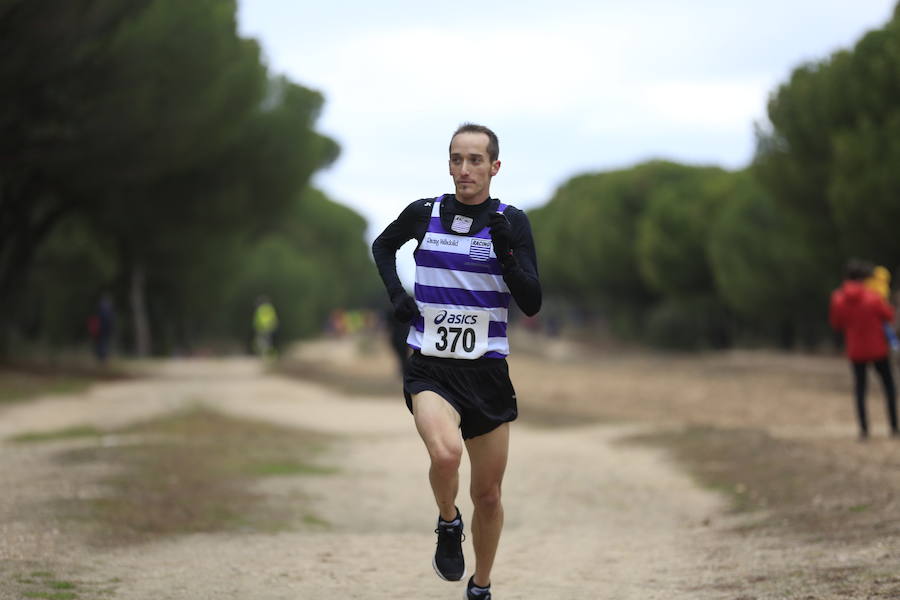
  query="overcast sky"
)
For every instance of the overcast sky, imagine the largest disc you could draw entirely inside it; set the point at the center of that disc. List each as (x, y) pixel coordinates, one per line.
(569, 86)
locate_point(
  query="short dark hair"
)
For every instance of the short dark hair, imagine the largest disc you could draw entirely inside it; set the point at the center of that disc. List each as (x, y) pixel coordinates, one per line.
(857, 270)
(493, 147)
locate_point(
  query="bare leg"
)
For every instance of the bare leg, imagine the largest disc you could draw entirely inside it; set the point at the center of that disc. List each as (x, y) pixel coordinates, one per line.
(438, 425)
(487, 454)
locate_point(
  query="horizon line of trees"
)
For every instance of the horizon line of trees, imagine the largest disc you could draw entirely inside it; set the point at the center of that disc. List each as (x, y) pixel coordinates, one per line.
(147, 151)
(696, 257)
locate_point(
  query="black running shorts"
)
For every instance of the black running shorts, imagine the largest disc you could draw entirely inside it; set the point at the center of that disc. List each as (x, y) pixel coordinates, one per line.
(480, 390)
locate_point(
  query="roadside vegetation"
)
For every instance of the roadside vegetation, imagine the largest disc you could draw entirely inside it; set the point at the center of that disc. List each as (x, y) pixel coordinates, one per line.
(196, 471)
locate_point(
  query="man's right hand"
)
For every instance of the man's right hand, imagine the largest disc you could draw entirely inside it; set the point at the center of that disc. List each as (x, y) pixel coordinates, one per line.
(405, 308)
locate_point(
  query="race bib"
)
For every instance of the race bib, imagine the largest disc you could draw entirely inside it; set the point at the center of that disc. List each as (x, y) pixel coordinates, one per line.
(455, 333)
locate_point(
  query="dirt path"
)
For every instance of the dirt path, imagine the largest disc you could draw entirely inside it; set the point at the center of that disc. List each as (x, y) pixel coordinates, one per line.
(587, 517)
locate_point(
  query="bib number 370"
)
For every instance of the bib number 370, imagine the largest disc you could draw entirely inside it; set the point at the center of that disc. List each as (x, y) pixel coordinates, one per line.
(451, 333)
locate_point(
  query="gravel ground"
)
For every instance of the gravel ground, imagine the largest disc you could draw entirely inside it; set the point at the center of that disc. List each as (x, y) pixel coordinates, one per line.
(587, 516)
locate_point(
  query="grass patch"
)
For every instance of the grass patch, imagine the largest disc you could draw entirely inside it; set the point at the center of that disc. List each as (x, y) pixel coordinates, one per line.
(810, 489)
(51, 595)
(194, 472)
(80, 431)
(45, 585)
(314, 521)
(289, 468)
(808, 493)
(25, 380)
(16, 386)
(61, 585)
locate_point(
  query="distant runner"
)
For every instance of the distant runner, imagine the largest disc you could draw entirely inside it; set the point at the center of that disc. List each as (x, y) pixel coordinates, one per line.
(265, 324)
(473, 254)
(860, 314)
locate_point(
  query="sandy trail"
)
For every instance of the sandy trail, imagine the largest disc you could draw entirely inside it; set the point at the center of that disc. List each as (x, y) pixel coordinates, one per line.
(586, 517)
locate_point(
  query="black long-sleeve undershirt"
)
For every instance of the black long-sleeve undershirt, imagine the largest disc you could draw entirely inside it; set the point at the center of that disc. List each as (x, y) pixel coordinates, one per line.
(519, 273)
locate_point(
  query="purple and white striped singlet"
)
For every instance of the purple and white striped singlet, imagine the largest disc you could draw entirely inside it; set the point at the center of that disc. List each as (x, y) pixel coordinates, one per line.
(462, 298)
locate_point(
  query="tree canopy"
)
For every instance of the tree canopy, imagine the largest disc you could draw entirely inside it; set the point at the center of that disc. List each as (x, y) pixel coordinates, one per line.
(146, 149)
(696, 256)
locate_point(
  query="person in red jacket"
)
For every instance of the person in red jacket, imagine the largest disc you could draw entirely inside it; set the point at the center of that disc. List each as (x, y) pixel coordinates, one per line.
(860, 314)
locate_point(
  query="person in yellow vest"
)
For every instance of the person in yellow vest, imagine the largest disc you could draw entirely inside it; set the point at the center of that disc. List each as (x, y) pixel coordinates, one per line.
(265, 324)
(880, 283)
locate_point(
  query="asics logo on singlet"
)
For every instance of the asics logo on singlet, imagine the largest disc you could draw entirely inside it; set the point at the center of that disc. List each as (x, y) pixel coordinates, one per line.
(455, 319)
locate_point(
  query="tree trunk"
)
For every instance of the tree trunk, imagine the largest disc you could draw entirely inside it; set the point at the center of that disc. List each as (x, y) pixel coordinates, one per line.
(787, 335)
(139, 312)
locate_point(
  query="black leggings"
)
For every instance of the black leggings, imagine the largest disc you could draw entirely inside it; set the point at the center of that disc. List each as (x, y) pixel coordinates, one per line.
(883, 368)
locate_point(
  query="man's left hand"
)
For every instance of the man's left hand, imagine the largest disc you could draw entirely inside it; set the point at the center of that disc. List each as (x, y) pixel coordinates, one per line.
(500, 234)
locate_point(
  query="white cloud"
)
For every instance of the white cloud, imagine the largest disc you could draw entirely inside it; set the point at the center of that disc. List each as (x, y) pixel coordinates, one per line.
(570, 86)
(707, 105)
(397, 72)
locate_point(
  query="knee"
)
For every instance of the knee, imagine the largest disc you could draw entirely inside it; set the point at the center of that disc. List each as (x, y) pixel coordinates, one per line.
(487, 499)
(446, 458)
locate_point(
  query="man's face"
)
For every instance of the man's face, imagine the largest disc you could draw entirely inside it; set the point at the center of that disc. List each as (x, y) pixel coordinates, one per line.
(471, 167)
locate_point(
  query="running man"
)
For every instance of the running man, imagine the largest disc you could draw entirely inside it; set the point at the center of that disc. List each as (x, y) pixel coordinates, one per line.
(473, 254)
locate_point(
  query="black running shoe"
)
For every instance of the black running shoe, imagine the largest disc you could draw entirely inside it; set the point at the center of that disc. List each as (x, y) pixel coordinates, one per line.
(448, 560)
(473, 593)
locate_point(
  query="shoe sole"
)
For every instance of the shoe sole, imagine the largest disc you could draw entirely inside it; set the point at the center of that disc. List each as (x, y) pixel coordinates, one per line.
(441, 575)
